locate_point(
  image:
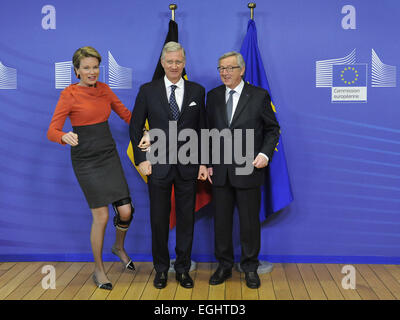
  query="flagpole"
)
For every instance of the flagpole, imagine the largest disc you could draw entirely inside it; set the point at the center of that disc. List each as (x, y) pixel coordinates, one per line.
(251, 6)
(173, 7)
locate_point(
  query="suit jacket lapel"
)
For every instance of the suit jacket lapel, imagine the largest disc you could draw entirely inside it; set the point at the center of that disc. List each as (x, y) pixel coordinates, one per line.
(162, 93)
(244, 98)
(186, 96)
(221, 105)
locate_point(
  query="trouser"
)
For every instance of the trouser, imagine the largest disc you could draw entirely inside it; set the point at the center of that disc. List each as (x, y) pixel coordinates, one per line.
(160, 207)
(248, 202)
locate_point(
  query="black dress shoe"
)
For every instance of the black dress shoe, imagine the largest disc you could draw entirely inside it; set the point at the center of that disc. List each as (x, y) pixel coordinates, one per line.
(220, 276)
(104, 286)
(184, 279)
(160, 280)
(129, 265)
(252, 280)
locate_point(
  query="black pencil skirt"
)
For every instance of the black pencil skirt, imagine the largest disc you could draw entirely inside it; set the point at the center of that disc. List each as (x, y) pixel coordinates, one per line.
(97, 165)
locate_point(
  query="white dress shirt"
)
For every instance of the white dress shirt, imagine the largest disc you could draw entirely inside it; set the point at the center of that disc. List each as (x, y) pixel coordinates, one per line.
(235, 98)
(179, 91)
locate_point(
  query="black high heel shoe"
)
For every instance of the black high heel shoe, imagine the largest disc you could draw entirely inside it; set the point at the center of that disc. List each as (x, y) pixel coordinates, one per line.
(105, 286)
(129, 265)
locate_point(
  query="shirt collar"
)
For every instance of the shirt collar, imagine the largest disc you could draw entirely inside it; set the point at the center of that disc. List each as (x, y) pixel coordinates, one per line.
(179, 84)
(238, 89)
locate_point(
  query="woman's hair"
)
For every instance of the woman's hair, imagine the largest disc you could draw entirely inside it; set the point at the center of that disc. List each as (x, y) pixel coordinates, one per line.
(84, 52)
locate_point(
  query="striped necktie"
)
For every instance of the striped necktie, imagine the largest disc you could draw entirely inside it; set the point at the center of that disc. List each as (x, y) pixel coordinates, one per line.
(173, 104)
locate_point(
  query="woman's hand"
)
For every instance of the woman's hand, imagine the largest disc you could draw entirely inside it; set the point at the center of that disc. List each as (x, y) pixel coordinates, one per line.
(70, 138)
(144, 143)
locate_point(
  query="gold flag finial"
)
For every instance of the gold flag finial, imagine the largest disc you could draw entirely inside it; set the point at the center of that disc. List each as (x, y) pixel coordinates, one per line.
(251, 6)
(173, 7)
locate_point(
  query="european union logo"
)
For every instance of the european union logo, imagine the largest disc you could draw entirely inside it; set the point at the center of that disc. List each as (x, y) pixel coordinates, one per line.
(349, 75)
(349, 83)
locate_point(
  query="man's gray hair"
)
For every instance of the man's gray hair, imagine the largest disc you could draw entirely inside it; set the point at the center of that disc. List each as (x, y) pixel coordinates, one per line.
(239, 58)
(172, 46)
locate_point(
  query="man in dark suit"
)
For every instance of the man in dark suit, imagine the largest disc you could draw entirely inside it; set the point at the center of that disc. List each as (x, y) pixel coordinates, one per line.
(238, 106)
(170, 102)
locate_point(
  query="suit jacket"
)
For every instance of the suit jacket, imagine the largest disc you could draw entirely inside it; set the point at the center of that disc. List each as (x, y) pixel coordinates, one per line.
(152, 104)
(253, 111)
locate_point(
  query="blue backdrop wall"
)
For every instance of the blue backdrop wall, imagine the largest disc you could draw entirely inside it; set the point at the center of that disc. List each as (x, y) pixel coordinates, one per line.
(343, 157)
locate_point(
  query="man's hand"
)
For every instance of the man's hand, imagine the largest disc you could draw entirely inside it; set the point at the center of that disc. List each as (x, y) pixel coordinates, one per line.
(202, 173)
(145, 168)
(260, 162)
(210, 173)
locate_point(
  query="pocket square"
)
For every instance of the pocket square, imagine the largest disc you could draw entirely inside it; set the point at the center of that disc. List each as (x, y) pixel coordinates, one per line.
(192, 104)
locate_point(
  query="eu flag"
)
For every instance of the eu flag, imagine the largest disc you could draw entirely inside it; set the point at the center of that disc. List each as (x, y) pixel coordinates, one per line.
(276, 192)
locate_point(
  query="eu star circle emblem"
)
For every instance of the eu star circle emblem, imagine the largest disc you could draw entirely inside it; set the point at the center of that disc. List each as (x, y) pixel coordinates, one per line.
(349, 75)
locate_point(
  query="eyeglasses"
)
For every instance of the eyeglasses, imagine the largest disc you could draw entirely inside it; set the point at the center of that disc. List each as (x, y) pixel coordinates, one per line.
(227, 69)
(171, 62)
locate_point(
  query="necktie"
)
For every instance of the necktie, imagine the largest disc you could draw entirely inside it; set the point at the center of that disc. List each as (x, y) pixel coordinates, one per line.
(229, 105)
(172, 103)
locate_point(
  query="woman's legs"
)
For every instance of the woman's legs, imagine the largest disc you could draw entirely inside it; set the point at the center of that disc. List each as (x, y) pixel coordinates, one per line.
(100, 219)
(125, 213)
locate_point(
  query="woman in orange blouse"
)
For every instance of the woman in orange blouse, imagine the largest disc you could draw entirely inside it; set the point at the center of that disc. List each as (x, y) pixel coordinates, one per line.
(94, 157)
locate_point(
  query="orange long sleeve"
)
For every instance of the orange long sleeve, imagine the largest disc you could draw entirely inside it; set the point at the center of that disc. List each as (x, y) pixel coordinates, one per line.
(85, 106)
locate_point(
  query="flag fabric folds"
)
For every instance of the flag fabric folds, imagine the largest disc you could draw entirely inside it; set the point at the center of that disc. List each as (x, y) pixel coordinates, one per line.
(276, 192)
(203, 195)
